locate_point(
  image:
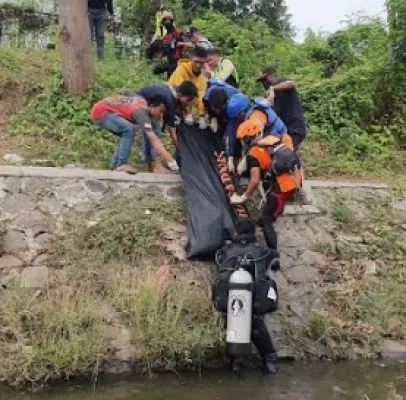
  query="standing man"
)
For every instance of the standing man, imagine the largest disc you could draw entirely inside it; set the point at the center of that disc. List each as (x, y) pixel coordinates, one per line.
(221, 68)
(286, 103)
(97, 20)
(173, 43)
(192, 71)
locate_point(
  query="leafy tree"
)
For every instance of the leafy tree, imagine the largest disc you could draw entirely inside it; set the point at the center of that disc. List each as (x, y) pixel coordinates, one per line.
(272, 12)
(397, 36)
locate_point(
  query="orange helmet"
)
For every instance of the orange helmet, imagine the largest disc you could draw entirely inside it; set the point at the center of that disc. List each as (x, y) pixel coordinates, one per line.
(249, 129)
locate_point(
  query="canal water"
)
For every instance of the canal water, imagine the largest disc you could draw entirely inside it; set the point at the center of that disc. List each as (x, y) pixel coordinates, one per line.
(316, 381)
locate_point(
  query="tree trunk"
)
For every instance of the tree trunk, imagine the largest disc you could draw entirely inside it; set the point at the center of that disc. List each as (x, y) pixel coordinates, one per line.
(75, 47)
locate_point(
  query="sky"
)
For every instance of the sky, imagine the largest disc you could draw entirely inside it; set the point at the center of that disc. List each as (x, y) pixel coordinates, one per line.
(326, 15)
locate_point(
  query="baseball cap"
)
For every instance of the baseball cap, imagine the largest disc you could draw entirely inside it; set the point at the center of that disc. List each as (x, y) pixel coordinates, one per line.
(265, 71)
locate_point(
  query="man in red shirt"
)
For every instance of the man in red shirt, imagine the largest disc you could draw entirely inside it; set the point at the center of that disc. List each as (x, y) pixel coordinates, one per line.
(118, 114)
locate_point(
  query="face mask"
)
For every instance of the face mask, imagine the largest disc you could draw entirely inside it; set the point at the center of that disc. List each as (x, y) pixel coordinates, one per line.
(168, 24)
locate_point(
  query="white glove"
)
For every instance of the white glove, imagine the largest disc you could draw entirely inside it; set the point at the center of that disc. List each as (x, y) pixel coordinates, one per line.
(237, 199)
(242, 166)
(230, 165)
(202, 123)
(189, 120)
(177, 120)
(173, 165)
(214, 125)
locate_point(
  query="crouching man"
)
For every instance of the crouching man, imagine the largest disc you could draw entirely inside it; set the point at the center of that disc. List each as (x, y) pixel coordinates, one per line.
(245, 307)
(118, 114)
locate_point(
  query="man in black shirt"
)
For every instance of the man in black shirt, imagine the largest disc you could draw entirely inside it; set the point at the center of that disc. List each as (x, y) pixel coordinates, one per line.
(97, 21)
(286, 103)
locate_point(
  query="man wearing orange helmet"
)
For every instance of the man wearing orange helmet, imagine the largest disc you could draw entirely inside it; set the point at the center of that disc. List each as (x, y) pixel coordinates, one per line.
(271, 161)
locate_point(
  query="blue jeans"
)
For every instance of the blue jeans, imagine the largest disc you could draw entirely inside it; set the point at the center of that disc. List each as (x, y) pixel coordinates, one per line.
(97, 23)
(125, 131)
(148, 153)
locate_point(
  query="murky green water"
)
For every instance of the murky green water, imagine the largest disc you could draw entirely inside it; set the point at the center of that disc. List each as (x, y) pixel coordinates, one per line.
(321, 381)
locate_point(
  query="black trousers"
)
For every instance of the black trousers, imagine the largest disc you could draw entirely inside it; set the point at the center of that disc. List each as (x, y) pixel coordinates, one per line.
(260, 335)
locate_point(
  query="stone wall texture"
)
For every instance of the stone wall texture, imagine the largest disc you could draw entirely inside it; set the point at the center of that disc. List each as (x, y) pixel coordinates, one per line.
(35, 204)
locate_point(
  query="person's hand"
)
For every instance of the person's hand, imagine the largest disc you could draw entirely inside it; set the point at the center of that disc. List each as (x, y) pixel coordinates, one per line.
(202, 123)
(214, 125)
(242, 166)
(237, 199)
(173, 166)
(230, 165)
(189, 119)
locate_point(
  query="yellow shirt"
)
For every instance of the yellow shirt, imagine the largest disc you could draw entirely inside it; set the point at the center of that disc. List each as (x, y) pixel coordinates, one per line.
(183, 73)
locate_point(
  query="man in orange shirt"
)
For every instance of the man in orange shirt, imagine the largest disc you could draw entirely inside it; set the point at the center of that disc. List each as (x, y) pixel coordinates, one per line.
(272, 162)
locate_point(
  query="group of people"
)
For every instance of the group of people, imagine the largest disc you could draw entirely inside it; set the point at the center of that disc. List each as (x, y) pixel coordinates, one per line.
(260, 137)
(171, 45)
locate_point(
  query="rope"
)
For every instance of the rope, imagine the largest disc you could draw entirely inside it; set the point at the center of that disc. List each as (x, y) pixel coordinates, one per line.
(227, 182)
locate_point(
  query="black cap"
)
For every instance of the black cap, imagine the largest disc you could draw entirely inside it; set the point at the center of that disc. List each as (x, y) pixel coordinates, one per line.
(191, 30)
(188, 89)
(218, 98)
(265, 71)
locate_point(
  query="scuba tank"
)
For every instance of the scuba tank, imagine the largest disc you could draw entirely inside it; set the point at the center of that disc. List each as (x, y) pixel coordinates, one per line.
(239, 313)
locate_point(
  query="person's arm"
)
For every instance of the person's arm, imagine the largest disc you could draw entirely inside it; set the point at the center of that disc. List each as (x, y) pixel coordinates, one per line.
(226, 70)
(141, 118)
(253, 183)
(172, 133)
(231, 137)
(284, 85)
(109, 5)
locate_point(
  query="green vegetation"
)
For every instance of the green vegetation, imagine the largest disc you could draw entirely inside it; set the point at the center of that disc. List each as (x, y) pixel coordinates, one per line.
(317, 326)
(127, 232)
(60, 123)
(356, 125)
(341, 212)
(110, 262)
(54, 336)
(174, 327)
(360, 306)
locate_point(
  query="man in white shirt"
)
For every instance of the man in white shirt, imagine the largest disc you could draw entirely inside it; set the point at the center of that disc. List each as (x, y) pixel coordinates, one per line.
(221, 68)
(197, 39)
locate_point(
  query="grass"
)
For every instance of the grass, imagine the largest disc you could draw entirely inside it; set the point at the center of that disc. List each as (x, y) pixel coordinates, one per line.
(341, 212)
(174, 326)
(130, 230)
(384, 305)
(317, 326)
(60, 122)
(55, 336)
(356, 312)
